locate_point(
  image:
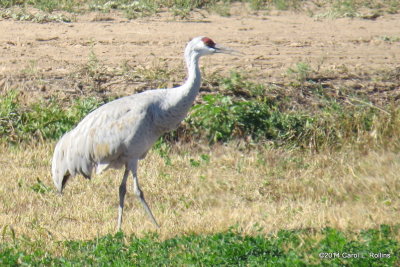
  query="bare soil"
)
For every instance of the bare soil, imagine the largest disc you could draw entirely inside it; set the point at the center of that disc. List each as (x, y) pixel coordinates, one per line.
(359, 54)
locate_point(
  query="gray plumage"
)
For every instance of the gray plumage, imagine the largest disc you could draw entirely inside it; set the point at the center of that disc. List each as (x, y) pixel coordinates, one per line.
(121, 132)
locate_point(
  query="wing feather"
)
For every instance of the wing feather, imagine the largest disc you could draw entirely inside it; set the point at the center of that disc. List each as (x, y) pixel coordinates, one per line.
(105, 136)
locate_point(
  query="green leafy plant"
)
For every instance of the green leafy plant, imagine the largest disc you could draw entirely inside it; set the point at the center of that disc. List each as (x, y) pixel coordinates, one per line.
(41, 120)
(222, 118)
(163, 148)
(286, 248)
(40, 187)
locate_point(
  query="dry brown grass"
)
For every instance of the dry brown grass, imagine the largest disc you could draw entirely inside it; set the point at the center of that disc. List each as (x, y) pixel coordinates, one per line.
(269, 188)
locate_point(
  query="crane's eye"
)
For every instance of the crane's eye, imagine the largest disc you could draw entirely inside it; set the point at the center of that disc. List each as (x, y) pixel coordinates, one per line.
(208, 42)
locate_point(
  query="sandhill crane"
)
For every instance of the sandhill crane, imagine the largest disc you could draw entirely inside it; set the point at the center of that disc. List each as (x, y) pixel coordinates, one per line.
(121, 132)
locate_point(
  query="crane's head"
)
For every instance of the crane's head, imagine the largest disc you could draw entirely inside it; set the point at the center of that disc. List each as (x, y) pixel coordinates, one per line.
(205, 46)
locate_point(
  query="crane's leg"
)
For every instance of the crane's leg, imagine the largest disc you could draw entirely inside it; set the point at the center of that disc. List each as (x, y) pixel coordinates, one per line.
(139, 193)
(122, 192)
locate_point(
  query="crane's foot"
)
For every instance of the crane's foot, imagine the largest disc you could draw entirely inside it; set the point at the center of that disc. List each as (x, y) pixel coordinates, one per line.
(146, 207)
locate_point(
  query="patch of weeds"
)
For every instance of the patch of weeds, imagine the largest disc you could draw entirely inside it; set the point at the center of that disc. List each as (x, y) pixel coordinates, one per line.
(345, 8)
(132, 9)
(393, 7)
(194, 163)
(163, 149)
(204, 159)
(139, 9)
(188, 4)
(40, 121)
(213, 116)
(221, 118)
(10, 3)
(222, 8)
(94, 72)
(286, 4)
(342, 8)
(390, 39)
(83, 106)
(94, 67)
(104, 6)
(31, 69)
(182, 8)
(301, 72)
(361, 124)
(51, 5)
(158, 74)
(40, 17)
(44, 5)
(392, 75)
(181, 13)
(242, 114)
(40, 187)
(9, 115)
(356, 9)
(238, 84)
(258, 4)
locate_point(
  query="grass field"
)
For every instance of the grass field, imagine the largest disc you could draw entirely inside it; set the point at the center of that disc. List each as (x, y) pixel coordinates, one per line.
(294, 167)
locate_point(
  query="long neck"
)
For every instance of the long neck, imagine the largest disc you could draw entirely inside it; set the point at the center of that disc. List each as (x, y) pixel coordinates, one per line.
(192, 84)
(178, 100)
(189, 90)
(181, 98)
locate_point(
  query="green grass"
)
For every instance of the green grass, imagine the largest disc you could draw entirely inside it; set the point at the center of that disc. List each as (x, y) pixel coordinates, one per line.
(286, 248)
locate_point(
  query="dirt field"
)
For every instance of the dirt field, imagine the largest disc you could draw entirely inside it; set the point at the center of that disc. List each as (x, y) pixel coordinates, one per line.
(270, 43)
(41, 59)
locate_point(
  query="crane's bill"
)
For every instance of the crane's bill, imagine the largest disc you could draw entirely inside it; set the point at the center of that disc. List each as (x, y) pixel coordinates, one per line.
(226, 50)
